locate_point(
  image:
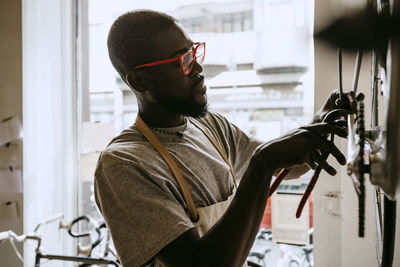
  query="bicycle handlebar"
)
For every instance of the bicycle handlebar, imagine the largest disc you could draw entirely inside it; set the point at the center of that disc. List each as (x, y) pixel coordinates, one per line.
(10, 235)
(86, 250)
(4, 236)
(80, 218)
(54, 218)
(13, 237)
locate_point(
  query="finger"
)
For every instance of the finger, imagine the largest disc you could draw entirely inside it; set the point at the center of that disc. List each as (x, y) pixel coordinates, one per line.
(360, 97)
(343, 103)
(341, 123)
(351, 96)
(339, 102)
(322, 162)
(336, 113)
(311, 162)
(348, 101)
(326, 128)
(340, 157)
(331, 148)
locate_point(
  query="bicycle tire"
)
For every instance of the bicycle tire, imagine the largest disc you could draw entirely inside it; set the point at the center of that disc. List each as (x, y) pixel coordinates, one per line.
(385, 208)
(385, 231)
(385, 211)
(389, 230)
(294, 263)
(393, 120)
(253, 264)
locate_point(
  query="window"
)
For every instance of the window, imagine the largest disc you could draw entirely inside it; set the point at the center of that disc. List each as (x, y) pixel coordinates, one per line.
(235, 22)
(219, 22)
(192, 25)
(256, 83)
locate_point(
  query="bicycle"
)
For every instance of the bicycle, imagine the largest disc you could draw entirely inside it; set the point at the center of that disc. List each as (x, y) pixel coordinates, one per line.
(102, 241)
(257, 256)
(86, 250)
(302, 259)
(375, 151)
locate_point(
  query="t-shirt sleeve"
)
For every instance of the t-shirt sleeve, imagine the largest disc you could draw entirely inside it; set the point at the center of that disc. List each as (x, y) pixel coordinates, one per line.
(142, 216)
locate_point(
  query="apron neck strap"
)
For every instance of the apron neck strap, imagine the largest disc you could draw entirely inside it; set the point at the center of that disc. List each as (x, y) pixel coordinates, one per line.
(155, 142)
(216, 145)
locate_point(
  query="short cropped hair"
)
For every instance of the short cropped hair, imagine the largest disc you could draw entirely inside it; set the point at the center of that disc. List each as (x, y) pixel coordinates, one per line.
(131, 37)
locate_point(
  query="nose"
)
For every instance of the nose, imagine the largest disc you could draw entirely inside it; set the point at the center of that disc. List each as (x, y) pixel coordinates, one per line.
(197, 68)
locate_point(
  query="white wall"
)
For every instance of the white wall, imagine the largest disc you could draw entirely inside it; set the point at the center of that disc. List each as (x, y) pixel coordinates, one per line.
(336, 237)
(49, 95)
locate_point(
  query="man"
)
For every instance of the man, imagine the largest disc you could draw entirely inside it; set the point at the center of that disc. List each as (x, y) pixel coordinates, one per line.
(166, 186)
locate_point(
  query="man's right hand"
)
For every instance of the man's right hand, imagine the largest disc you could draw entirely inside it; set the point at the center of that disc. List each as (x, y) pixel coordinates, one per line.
(302, 145)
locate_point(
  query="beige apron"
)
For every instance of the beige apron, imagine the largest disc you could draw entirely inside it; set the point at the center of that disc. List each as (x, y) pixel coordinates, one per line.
(204, 217)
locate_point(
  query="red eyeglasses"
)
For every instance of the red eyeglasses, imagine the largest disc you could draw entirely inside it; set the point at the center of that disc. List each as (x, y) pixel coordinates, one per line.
(186, 60)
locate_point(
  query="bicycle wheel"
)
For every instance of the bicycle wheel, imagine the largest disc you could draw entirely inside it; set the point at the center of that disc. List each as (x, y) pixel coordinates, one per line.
(253, 264)
(388, 179)
(294, 263)
(385, 234)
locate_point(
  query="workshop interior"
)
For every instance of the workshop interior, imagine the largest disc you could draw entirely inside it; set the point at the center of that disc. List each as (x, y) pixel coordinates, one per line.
(269, 66)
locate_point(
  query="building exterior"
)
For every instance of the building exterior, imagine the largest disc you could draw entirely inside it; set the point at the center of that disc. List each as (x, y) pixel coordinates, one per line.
(256, 66)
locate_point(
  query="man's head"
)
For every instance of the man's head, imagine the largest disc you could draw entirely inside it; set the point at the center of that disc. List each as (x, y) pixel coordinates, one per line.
(144, 36)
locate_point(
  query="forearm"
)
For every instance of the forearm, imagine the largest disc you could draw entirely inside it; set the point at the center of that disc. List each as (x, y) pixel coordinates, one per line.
(229, 241)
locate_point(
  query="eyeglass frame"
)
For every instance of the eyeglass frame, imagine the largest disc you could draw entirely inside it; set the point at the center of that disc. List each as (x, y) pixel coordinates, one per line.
(160, 62)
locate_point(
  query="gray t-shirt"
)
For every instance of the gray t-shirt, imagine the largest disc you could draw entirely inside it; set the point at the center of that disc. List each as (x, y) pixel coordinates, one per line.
(138, 195)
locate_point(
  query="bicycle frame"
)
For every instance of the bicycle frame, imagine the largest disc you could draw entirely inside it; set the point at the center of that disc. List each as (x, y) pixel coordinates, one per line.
(88, 260)
(83, 260)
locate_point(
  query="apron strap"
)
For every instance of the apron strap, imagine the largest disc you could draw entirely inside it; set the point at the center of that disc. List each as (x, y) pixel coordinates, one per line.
(216, 145)
(155, 142)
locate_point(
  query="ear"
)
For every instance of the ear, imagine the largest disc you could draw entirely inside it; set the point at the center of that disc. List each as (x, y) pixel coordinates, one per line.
(135, 82)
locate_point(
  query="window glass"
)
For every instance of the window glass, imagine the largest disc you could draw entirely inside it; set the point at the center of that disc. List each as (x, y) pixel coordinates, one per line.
(257, 68)
(247, 20)
(300, 15)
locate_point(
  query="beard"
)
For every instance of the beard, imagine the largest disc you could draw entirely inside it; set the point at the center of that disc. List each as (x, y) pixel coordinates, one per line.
(189, 107)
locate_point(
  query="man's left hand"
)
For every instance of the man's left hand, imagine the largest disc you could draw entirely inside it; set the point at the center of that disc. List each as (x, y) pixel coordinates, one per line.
(347, 102)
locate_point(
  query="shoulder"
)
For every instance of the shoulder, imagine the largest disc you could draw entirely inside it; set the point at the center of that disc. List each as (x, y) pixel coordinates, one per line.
(129, 149)
(212, 117)
(215, 121)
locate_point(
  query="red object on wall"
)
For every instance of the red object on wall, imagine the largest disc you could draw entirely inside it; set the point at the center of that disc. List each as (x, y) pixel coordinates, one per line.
(266, 221)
